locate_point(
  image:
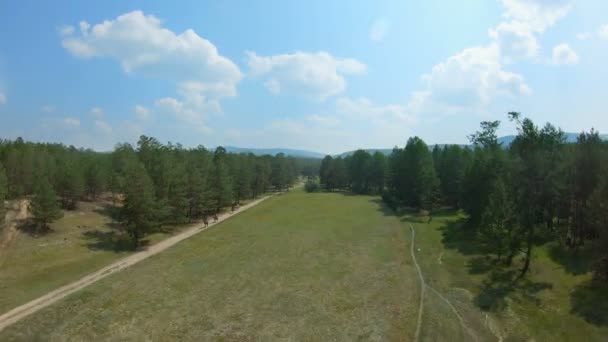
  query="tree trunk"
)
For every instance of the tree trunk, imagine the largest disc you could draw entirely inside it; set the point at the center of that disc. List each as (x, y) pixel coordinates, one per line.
(529, 242)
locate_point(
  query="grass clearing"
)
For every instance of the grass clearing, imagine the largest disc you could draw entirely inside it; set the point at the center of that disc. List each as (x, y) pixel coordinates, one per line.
(81, 242)
(298, 266)
(557, 302)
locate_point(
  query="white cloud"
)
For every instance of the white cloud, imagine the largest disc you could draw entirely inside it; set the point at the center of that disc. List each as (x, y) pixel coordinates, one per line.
(475, 78)
(142, 112)
(379, 30)
(66, 30)
(563, 54)
(313, 75)
(71, 122)
(3, 99)
(603, 31)
(97, 112)
(517, 37)
(470, 79)
(189, 110)
(103, 126)
(516, 41)
(583, 36)
(539, 14)
(142, 45)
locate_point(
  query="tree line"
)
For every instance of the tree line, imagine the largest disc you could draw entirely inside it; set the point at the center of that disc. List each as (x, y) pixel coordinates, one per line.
(539, 188)
(152, 184)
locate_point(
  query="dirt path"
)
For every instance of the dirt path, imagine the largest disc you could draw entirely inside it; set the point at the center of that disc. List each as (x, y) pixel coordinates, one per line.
(423, 286)
(24, 310)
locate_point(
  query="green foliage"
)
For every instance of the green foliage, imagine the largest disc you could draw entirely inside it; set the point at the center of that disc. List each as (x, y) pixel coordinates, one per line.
(312, 185)
(498, 223)
(44, 206)
(3, 192)
(138, 213)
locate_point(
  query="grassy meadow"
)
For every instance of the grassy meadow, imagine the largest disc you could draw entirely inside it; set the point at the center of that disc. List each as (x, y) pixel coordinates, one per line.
(328, 266)
(296, 267)
(557, 301)
(81, 242)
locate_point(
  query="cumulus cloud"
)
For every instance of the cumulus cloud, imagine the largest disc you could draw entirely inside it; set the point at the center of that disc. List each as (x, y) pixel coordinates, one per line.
(379, 30)
(516, 41)
(141, 112)
(471, 79)
(313, 75)
(71, 122)
(517, 37)
(538, 14)
(603, 31)
(474, 78)
(141, 44)
(3, 99)
(563, 54)
(103, 126)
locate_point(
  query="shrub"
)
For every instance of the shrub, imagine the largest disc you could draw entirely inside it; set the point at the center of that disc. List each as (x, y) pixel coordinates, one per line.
(312, 186)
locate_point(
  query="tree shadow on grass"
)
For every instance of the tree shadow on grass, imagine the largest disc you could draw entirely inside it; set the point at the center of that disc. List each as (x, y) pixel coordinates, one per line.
(590, 301)
(98, 240)
(112, 212)
(481, 264)
(32, 228)
(457, 235)
(575, 261)
(502, 283)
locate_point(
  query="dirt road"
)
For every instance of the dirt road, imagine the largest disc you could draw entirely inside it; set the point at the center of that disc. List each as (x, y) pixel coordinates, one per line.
(24, 310)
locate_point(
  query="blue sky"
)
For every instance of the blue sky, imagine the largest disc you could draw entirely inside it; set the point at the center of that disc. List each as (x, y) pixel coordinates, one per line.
(328, 76)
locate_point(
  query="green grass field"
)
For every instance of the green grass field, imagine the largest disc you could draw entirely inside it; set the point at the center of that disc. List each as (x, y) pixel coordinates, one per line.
(557, 302)
(81, 242)
(324, 267)
(297, 267)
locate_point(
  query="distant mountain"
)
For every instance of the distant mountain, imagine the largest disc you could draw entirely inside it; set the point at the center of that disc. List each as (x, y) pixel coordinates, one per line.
(504, 141)
(275, 151)
(570, 138)
(386, 151)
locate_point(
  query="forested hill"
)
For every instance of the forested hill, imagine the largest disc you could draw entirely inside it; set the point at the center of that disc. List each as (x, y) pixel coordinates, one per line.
(275, 151)
(504, 141)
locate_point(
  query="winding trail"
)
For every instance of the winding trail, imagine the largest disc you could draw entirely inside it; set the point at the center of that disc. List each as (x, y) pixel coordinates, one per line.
(423, 286)
(35, 305)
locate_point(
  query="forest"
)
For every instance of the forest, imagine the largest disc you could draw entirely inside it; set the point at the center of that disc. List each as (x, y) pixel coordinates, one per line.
(537, 189)
(152, 184)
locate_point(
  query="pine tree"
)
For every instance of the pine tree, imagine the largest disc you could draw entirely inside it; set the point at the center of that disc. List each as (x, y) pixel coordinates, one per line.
(139, 210)
(44, 206)
(70, 184)
(220, 181)
(498, 223)
(177, 197)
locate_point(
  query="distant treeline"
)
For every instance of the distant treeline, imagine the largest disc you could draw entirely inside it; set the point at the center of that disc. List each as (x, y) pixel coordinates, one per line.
(540, 187)
(152, 183)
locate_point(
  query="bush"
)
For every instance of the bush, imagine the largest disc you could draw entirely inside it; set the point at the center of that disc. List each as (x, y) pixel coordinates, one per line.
(312, 186)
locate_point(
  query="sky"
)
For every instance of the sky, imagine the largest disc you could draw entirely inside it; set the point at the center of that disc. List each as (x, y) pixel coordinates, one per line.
(327, 76)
